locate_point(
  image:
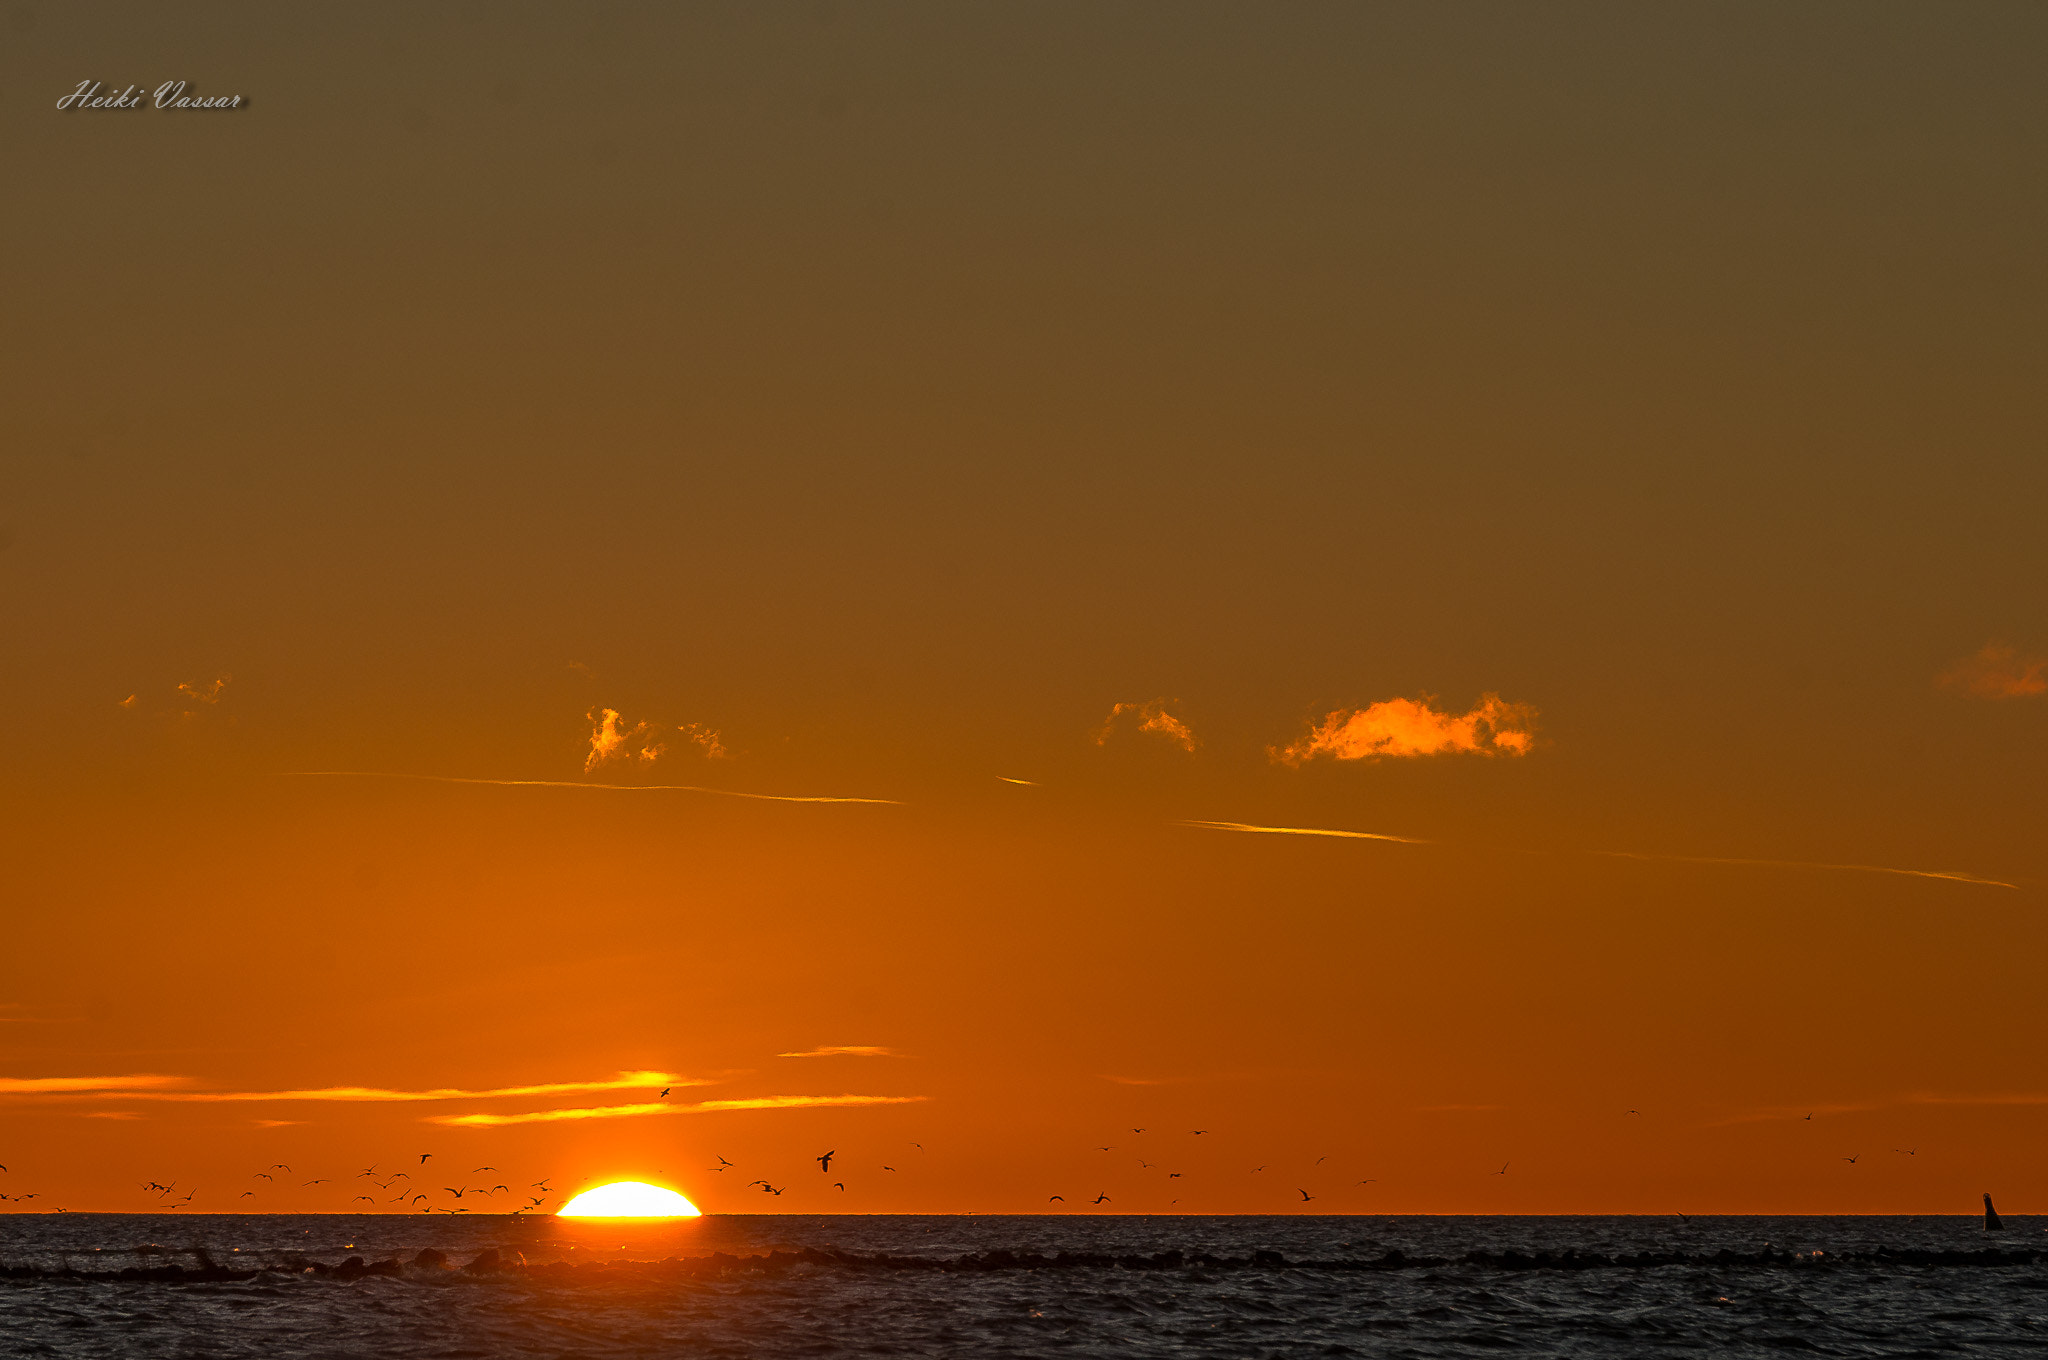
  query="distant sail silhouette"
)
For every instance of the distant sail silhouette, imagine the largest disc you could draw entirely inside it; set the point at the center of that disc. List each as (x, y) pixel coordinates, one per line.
(1991, 1223)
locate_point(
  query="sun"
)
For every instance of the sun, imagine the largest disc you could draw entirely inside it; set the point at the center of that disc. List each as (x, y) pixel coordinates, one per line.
(628, 1199)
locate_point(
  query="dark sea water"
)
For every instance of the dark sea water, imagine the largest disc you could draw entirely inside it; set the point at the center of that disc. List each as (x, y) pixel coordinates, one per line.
(121, 1285)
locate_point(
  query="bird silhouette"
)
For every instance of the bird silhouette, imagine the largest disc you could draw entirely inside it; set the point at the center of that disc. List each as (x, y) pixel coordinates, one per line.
(1100, 1198)
(244, 1195)
(1137, 1130)
(1305, 1195)
(888, 1168)
(1503, 1168)
(364, 1198)
(839, 1185)
(825, 1162)
(1910, 1152)
(370, 1170)
(1853, 1160)
(664, 1092)
(1257, 1169)
(1061, 1198)
(1809, 1114)
(262, 1176)
(279, 1166)
(1173, 1175)
(1198, 1132)
(473, 1170)
(424, 1156)
(317, 1180)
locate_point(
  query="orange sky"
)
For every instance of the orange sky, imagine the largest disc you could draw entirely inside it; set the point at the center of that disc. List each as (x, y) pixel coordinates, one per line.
(1591, 457)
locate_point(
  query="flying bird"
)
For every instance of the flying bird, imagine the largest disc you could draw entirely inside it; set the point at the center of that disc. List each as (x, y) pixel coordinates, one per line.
(473, 1170)
(424, 1156)
(1198, 1132)
(261, 1176)
(1910, 1152)
(244, 1195)
(825, 1162)
(1061, 1198)
(888, 1168)
(1503, 1168)
(839, 1185)
(1852, 1160)
(279, 1166)
(317, 1180)
(1137, 1130)
(1370, 1180)
(1305, 1195)
(1100, 1198)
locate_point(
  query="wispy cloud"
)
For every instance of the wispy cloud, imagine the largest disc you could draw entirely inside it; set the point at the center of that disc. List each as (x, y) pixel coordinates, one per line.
(1416, 727)
(152, 1088)
(1150, 717)
(139, 1081)
(577, 784)
(1997, 671)
(276, 1123)
(1950, 875)
(1007, 780)
(111, 1114)
(1300, 831)
(611, 739)
(2014, 1098)
(665, 1107)
(846, 1051)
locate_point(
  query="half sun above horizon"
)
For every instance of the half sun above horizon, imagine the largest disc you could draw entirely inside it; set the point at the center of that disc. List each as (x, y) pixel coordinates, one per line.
(628, 1199)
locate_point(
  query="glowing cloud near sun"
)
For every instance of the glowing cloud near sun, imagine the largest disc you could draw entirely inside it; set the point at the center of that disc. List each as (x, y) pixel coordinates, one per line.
(628, 1199)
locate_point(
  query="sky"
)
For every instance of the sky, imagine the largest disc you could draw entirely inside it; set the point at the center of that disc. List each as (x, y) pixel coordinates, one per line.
(816, 557)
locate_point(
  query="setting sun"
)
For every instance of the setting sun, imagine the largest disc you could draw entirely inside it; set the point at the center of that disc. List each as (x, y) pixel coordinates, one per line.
(628, 1199)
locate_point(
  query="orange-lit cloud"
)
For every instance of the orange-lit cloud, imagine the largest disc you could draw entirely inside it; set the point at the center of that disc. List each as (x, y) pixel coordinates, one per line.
(1949, 875)
(846, 1051)
(706, 737)
(1007, 780)
(276, 1123)
(1997, 672)
(1415, 727)
(140, 1081)
(130, 702)
(611, 740)
(577, 784)
(1301, 831)
(473, 1121)
(111, 1114)
(1150, 717)
(150, 1088)
(207, 691)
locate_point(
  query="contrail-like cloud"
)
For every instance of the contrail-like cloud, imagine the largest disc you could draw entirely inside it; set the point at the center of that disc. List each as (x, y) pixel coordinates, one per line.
(1997, 671)
(1151, 717)
(577, 784)
(1300, 831)
(1415, 727)
(491, 1121)
(140, 1081)
(152, 1088)
(846, 1051)
(1949, 875)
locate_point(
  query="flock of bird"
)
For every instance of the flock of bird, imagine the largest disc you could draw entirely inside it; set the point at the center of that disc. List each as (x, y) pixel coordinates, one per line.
(418, 1193)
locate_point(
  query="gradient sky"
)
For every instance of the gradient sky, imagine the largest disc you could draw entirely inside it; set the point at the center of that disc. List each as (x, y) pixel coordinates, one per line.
(1597, 445)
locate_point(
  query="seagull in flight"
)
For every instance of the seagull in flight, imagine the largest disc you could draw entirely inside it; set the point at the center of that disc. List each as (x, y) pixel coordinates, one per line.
(825, 1162)
(1061, 1198)
(1910, 1152)
(1305, 1195)
(1853, 1160)
(1503, 1168)
(1100, 1198)
(664, 1092)
(839, 1185)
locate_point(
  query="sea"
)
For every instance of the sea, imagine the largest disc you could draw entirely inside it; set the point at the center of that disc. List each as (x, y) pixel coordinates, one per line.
(225, 1286)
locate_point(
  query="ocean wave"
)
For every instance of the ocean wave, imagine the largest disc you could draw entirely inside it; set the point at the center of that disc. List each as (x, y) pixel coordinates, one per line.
(433, 1266)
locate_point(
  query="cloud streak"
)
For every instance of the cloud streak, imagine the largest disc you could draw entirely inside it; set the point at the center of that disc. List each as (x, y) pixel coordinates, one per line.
(1997, 671)
(152, 1088)
(1415, 727)
(1300, 831)
(578, 784)
(492, 1121)
(1150, 717)
(846, 1051)
(1948, 875)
